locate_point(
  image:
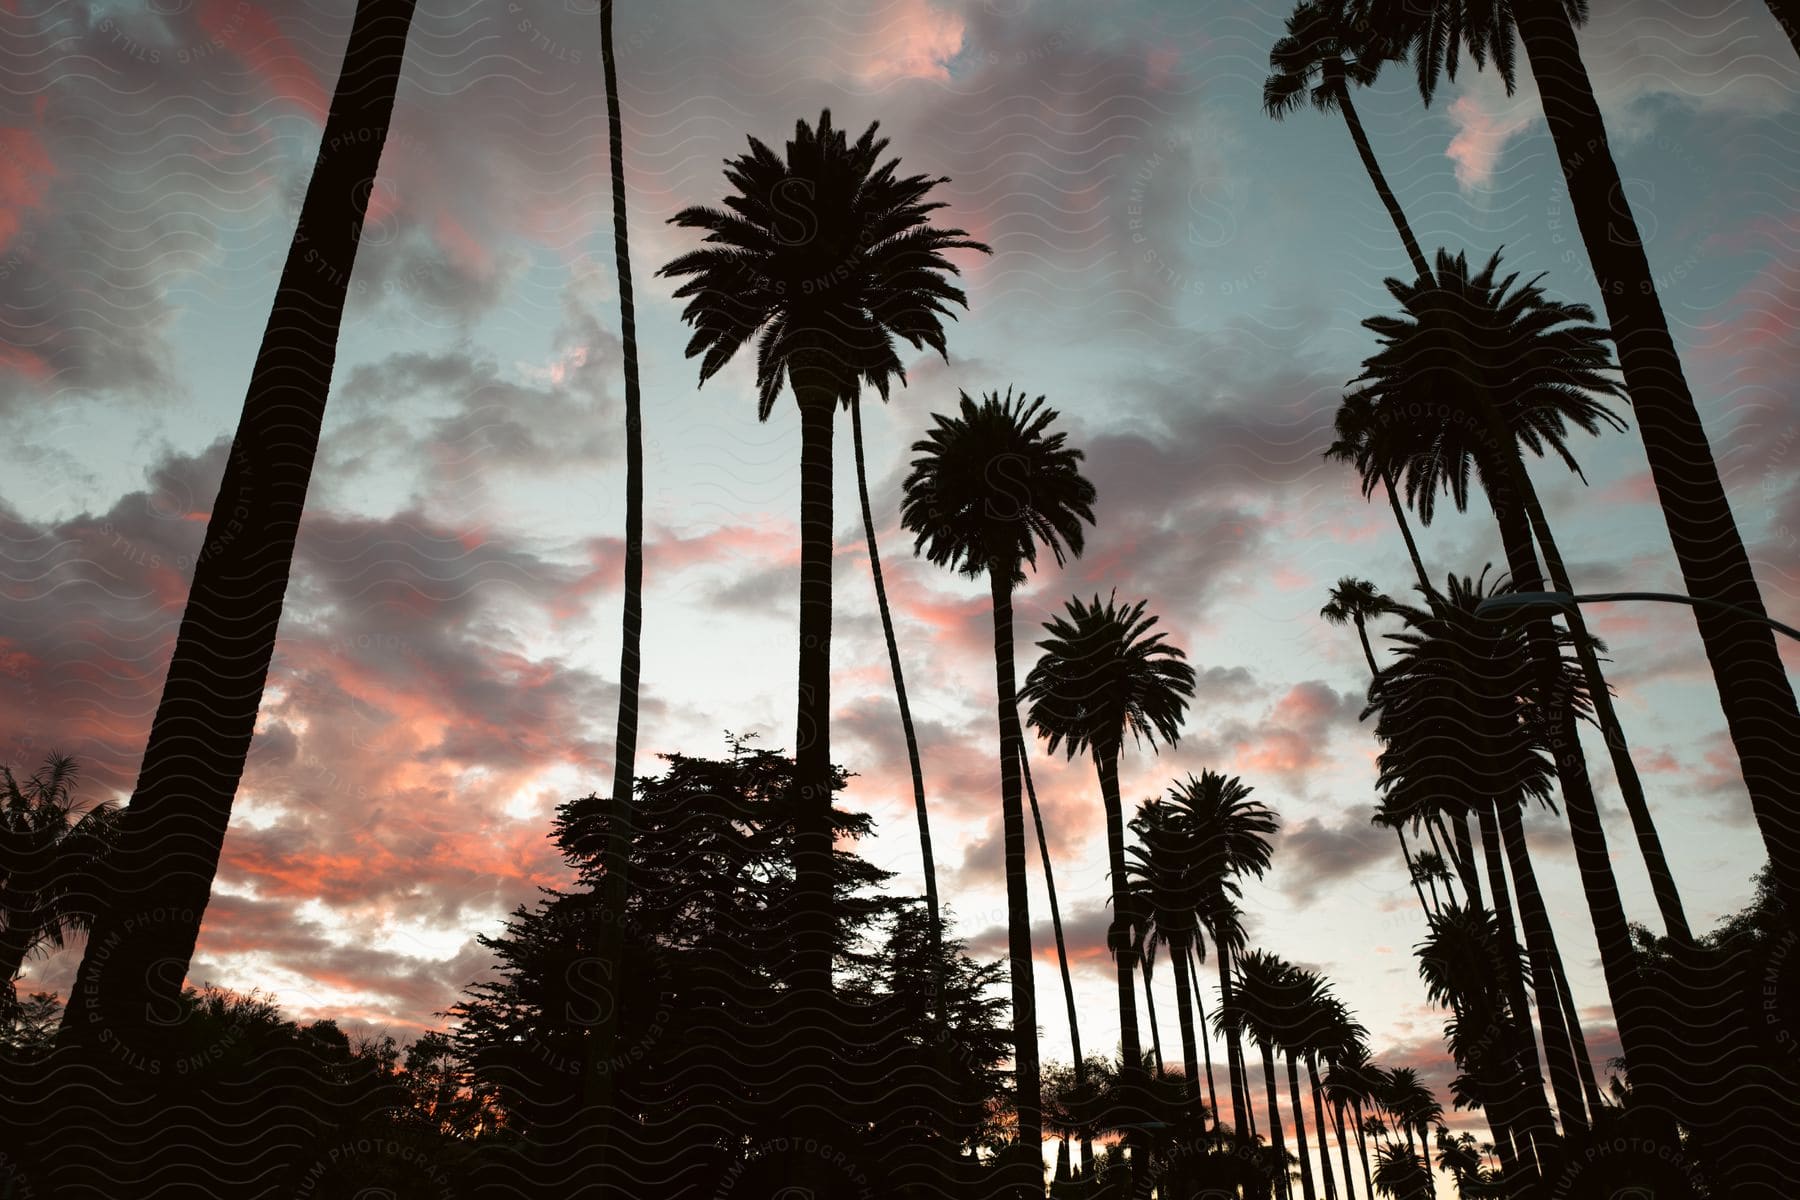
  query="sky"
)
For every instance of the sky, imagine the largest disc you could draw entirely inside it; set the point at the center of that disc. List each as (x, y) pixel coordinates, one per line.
(1182, 278)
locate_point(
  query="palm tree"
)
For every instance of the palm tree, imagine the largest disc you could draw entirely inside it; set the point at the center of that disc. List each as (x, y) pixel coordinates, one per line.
(1332, 1035)
(1233, 833)
(1353, 601)
(1259, 1008)
(171, 834)
(1542, 365)
(990, 485)
(1754, 690)
(598, 1083)
(1363, 441)
(1351, 1081)
(49, 850)
(1321, 54)
(906, 721)
(823, 257)
(1461, 712)
(1078, 1068)
(1164, 868)
(1103, 674)
(1538, 370)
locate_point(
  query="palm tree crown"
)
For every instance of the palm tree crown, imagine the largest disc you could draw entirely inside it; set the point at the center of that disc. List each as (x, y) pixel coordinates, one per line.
(1541, 364)
(1320, 53)
(50, 849)
(827, 251)
(1231, 830)
(1353, 600)
(991, 483)
(1103, 672)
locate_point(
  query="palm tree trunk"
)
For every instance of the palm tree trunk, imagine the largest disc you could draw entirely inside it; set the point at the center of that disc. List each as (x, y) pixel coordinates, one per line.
(1412, 874)
(1565, 1079)
(912, 739)
(812, 736)
(1027, 1100)
(1212, 1087)
(1337, 1124)
(1631, 788)
(1150, 1007)
(1190, 1050)
(1234, 1049)
(1412, 547)
(1465, 859)
(1362, 1151)
(1787, 15)
(1526, 1113)
(1276, 1137)
(1379, 179)
(1362, 634)
(598, 1092)
(1753, 686)
(1318, 1102)
(1589, 1084)
(171, 833)
(1062, 950)
(1635, 1001)
(1307, 1186)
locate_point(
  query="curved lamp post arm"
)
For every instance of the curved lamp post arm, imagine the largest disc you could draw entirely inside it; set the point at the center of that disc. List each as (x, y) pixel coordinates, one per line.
(1508, 602)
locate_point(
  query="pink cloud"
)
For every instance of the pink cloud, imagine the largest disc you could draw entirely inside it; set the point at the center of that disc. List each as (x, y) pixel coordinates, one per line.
(1481, 137)
(916, 42)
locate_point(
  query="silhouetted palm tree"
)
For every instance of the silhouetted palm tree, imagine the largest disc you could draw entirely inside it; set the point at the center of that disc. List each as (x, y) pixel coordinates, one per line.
(1322, 53)
(1351, 1081)
(990, 485)
(928, 861)
(1461, 712)
(1754, 690)
(1233, 833)
(50, 848)
(1103, 674)
(1326, 1032)
(1260, 1008)
(1164, 868)
(599, 1044)
(160, 877)
(1353, 601)
(822, 257)
(1540, 366)
(1362, 441)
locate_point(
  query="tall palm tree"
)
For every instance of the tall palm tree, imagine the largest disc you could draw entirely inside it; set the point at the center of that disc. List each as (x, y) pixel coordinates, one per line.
(1233, 834)
(1317, 59)
(171, 834)
(1332, 1035)
(1259, 1009)
(1537, 368)
(598, 1083)
(1753, 686)
(1542, 365)
(1467, 966)
(989, 486)
(1164, 867)
(1461, 711)
(911, 736)
(1078, 1068)
(1103, 674)
(822, 256)
(1351, 1081)
(50, 847)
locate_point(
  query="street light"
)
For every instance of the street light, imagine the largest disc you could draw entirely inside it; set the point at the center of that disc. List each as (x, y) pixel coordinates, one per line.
(1507, 601)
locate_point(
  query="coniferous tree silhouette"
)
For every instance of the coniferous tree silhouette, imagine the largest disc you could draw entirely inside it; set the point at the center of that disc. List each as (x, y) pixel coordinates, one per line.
(992, 483)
